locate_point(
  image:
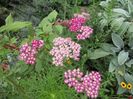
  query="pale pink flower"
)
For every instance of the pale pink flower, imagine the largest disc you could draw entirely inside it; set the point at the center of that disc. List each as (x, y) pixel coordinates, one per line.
(88, 84)
(28, 52)
(64, 48)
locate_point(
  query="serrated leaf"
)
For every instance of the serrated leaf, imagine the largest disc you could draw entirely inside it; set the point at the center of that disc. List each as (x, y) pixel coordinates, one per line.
(118, 42)
(9, 20)
(58, 28)
(13, 40)
(47, 28)
(52, 16)
(49, 19)
(122, 57)
(15, 26)
(98, 53)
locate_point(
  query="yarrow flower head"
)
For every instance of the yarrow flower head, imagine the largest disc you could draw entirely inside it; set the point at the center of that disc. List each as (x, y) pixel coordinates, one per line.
(64, 48)
(91, 83)
(28, 52)
(84, 33)
(88, 84)
(76, 24)
(72, 79)
(37, 43)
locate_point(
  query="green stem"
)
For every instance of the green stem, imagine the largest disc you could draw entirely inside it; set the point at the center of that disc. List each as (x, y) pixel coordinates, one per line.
(19, 88)
(65, 5)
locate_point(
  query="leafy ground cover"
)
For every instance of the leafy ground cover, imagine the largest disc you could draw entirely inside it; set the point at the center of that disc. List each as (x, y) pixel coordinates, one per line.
(66, 49)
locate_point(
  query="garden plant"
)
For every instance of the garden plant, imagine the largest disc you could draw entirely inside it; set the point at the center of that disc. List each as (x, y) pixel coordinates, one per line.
(66, 49)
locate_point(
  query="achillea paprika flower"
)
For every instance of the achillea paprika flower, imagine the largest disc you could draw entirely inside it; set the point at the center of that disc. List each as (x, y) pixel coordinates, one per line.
(88, 84)
(64, 48)
(84, 33)
(91, 83)
(76, 23)
(28, 51)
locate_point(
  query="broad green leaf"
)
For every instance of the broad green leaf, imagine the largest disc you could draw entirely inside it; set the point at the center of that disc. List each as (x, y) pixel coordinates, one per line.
(98, 53)
(104, 4)
(58, 28)
(121, 11)
(107, 47)
(119, 78)
(44, 22)
(15, 26)
(121, 90)
(121, 70)
(131, 91)
(47, 28)
(112, 67)
(128, 78)
(118, 42)
(9, 20)
(117, 23)
(130, 43)
(113, 64)
(39, 32)
(52, 16)
(115, 49)
(13, 40)
(52, 36)
(124, 28)
(129, 63)
(130, 7)
(122, 57)
(130, 29)
(103, 22)
(49, 19)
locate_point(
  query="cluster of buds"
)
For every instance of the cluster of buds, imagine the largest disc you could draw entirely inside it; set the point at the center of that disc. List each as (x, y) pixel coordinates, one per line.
(76, 25)
(88, 84)
(85, 33)
(64, 48)
(28, 51)
(91, 83)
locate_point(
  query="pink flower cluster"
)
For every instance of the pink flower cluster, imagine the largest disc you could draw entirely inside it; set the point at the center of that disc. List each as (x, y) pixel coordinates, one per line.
(85, 32)
(64, 48)
(76, 25)
(28, 52)
(88, 84)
